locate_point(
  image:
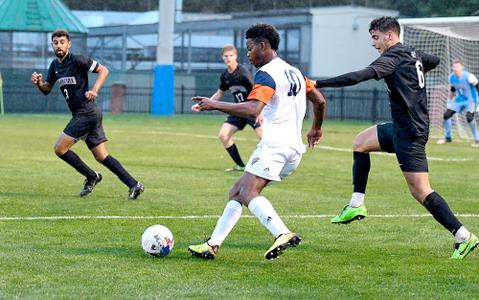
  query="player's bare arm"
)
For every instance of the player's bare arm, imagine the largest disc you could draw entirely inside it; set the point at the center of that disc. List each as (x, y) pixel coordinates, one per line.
(319, 111)
(248, 109)
(44, 87)
(218, 96)
(102, 75)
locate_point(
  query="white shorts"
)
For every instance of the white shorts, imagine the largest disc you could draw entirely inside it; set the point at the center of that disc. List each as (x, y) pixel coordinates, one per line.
(273, 163)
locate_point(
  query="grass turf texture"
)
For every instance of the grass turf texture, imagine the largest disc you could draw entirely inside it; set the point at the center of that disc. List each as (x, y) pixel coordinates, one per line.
(181, 163)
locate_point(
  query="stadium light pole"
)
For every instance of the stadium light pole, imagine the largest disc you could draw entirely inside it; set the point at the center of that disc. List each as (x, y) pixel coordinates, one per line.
(163, 102)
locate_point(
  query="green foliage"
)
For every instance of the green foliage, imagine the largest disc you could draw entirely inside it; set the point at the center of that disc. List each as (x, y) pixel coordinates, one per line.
(181, 162)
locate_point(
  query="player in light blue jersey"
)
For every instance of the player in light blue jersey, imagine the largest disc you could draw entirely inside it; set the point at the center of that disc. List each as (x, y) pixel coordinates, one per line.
(463, 96)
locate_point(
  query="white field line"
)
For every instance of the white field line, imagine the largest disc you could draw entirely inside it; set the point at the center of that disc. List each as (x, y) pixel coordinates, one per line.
(43, 218)
(320, 147)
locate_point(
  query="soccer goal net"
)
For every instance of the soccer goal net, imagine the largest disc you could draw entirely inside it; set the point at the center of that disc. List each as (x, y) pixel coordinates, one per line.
(447, 38)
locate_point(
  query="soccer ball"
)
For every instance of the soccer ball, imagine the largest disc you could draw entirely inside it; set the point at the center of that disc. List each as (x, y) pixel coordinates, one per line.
(157, 240)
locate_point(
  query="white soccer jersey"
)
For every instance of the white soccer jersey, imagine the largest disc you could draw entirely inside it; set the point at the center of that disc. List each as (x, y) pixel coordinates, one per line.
(283, 89)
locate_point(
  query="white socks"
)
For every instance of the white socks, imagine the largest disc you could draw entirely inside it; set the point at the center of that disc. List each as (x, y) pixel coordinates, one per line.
(226, 222)
(264, 211)
(357, 199)
(462, 235)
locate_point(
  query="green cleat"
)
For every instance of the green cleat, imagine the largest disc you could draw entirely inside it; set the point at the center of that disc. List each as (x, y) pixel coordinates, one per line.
(464, 248)
(349, 214)
(203, 251)
(282, 242)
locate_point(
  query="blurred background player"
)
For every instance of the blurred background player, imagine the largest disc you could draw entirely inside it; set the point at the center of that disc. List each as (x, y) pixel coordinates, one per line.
(71, 73)
(463, 96)
(403, 69)
(280, 92)
(238, 80)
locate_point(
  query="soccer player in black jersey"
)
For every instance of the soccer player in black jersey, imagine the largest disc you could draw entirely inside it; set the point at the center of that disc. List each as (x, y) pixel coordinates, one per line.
(403, 68)
(71, 73)
(238, 80)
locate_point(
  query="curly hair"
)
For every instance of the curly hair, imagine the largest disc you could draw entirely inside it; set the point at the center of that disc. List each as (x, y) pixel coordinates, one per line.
(264, 33)
(385, 24)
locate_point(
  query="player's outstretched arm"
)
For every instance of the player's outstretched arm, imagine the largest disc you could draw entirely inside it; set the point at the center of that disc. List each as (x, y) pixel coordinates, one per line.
(319, 111)
(248, 109)
(100, 80)
(44, 87)
(348, 79)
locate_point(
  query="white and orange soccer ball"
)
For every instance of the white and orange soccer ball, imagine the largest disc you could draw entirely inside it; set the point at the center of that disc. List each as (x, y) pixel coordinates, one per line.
(157, 240)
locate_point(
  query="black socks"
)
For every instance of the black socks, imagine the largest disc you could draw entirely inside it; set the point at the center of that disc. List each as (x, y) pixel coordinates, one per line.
(114, 165)
(439, 209)
(361, 167)
(233, 152)
(75, 161)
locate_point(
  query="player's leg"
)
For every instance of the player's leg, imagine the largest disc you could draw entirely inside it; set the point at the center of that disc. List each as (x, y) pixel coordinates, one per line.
(447, 123)
(62, 150)
(365, 142)
(269, 165)
(412, 159)
(472, 124)
(75, 130)
(421, 190)
(224, 225)
(95, 141)
(102, 156)
(227, 130)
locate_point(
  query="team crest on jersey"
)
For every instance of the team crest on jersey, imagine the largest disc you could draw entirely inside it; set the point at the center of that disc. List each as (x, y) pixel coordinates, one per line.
(255, 160)
(67, 81)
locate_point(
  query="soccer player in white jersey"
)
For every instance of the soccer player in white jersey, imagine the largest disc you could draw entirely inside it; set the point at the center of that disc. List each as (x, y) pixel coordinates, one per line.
(279, 92)
(463, 96)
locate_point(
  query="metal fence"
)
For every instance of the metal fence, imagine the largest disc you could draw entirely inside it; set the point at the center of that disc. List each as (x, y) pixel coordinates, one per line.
(20, 96)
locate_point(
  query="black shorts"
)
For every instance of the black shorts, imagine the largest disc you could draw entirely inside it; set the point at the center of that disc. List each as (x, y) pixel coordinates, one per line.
(87, 126)
(240, 122)
(410, 151)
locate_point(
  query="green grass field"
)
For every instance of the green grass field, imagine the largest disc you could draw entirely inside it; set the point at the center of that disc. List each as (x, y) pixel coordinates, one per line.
(181, 163)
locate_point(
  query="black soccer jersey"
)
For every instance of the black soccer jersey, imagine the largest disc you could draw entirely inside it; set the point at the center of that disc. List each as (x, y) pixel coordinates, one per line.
(403, 69)
(72, 78)
(240, 83)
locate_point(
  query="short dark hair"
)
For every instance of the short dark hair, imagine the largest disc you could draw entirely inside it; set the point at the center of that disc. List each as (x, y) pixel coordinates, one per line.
(264, 33)
(60, 33)
(385, 24)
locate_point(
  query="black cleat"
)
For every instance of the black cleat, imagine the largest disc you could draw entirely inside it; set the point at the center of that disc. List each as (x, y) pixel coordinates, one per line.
(90, 184)
(135, 191)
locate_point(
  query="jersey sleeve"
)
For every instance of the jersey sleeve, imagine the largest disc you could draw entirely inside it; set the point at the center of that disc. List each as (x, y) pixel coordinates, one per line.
(383, 66)
(310, 84)
(86, 63)
(264, 87)
(51, 76)
(429, 61)
(223, 85)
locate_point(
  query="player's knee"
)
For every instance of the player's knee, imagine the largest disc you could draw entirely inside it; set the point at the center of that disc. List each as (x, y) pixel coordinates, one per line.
(419, 193)
(358, 144)
(469, 117)
(59, 150)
